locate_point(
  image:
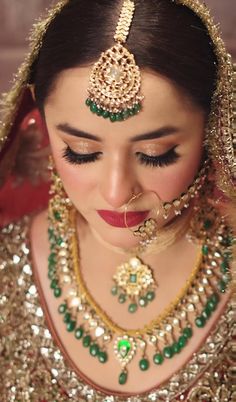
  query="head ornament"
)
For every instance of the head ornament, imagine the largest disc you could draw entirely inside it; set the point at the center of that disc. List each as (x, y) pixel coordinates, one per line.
(220, 136)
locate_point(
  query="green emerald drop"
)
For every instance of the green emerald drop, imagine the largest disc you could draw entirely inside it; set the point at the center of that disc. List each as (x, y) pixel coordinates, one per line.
(79, 333)
(99, 112)
(62, 308)
(54, 284)
(158, 358)
(71, 326)
(124, 347)
(137, 107)
(222, 286)
(144, 364)
(188, 332)
(205, 249)
(122, 298)
(113, 117)
(200, 322)
(88, 102)
(93, 107)
(168, 352)
(211, 305)
(114, 290)
(125, 114)
(51, 234)
(133, 307)
(67, 318)
(57, 215)
(51, 274)
(102, 357)
(119, 117)
(182, 341)
(52, 259)
(123, 377)
(94, 350)
(224, 266)
(105, 114)
(87, 341)
(131, 112)
(57, 292)
(206, 313)
(176, 347)
(59, 241)
(150, 296)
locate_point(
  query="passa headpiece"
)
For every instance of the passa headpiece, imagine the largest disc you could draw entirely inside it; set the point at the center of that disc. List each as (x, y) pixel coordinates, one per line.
(115, 81)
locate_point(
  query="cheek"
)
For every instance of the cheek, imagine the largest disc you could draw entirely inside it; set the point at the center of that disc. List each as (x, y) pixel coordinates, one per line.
(174, 180)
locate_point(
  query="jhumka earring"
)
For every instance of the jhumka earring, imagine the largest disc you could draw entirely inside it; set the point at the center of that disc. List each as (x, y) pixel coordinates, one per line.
(115, 81)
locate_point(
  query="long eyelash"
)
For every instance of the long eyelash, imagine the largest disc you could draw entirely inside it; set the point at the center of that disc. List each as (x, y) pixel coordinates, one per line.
(165, 159)
(78, 159)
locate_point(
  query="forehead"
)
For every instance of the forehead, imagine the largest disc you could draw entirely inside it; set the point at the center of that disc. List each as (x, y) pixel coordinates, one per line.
(164, 104)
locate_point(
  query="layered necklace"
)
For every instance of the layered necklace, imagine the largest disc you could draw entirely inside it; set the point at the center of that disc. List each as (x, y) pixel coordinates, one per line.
(168, 333)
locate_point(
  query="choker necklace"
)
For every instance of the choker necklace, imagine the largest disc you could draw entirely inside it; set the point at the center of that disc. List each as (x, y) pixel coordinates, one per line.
(166, 335)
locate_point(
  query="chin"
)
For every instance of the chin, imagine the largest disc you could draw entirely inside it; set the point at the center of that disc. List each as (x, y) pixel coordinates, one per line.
(117, 237)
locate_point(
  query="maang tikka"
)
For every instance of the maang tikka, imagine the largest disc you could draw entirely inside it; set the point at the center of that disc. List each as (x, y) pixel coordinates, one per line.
(115, 81)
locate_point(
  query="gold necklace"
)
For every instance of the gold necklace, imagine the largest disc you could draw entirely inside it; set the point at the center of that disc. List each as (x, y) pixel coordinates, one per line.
(168, 333)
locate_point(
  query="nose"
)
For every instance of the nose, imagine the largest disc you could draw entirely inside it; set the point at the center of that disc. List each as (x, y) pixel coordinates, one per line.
(119, 183)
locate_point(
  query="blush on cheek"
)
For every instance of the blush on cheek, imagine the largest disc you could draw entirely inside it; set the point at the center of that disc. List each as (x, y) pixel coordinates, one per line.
(174, 181)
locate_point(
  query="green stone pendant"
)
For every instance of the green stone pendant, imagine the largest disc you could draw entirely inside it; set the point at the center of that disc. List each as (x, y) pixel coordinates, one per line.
(125, 349)
(134, 283)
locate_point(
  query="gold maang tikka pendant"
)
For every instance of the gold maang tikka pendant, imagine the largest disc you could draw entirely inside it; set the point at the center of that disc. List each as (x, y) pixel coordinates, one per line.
(115, 81)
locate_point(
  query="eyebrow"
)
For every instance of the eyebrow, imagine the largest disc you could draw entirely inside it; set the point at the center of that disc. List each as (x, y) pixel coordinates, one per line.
(160, 133)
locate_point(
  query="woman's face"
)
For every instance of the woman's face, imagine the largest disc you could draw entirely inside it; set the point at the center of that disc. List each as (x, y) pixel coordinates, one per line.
(102, 164)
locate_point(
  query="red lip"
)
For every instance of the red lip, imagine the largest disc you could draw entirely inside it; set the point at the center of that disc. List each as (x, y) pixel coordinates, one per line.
(117, 219)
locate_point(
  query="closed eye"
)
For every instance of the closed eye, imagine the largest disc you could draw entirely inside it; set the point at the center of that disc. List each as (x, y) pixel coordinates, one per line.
(165, 159)
(74, 158)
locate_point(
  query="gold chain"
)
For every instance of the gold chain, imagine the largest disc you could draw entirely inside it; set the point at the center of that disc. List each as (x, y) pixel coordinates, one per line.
(105, 318)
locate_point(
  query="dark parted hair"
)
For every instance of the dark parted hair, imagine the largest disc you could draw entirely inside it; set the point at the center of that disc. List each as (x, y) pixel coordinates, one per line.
(165, 37)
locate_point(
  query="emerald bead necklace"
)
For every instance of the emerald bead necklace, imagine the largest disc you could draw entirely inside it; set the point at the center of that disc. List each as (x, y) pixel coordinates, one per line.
(168, 334)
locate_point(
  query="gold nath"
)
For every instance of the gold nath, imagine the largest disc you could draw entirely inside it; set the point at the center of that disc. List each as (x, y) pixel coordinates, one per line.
(115, 81)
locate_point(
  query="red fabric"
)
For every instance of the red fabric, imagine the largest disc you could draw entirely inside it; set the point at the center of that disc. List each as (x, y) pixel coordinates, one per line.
(24, 199)
(18, 200)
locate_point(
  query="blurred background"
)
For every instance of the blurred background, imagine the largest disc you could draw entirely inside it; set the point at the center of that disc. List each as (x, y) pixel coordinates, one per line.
(17, 17)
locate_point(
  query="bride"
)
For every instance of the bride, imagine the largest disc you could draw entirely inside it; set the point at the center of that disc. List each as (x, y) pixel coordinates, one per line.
(122, 287)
